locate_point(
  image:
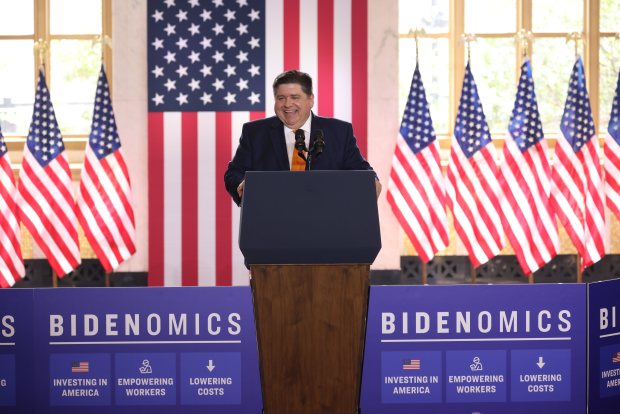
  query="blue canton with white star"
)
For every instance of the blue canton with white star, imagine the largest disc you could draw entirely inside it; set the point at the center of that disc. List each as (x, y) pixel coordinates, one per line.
(577, 123)
(614, 117)
(2, 145)
(525, 125)
(206, 55)
(471, 129)
(44, 137)
(103, 138)
(417, 125)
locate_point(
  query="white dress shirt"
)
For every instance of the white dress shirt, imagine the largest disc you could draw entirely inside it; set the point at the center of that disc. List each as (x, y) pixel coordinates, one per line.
(289, 137)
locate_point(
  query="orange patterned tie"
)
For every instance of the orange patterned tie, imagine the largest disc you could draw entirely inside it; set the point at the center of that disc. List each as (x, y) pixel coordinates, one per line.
(297, 163)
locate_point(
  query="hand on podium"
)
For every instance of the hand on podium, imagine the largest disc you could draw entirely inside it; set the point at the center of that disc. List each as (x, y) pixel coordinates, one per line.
(377, 187)
(240, 189)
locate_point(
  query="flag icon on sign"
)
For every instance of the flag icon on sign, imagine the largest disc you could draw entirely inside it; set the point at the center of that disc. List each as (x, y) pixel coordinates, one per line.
(81, 366)
(616, 357)
(413, 364)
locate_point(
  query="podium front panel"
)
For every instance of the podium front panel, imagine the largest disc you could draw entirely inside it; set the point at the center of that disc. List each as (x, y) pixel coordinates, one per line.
(319, 217)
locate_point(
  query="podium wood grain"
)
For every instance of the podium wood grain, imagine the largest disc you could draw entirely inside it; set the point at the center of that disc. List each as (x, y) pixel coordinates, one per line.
(310, 322)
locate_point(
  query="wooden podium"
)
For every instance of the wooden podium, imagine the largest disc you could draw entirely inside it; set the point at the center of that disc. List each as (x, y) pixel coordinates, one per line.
(310, 284)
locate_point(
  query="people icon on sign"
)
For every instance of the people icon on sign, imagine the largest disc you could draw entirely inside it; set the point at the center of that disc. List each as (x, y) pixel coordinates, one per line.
(146, 367)
(476, 365)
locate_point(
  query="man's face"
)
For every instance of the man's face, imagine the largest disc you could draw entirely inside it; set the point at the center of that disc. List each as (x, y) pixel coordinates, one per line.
(292, 105)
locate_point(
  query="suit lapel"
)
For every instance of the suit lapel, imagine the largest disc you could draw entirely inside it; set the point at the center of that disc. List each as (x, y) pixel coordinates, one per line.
(279, 144)
(314, 125)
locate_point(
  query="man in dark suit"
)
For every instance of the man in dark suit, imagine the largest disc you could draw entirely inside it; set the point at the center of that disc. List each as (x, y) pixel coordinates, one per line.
(269, 144)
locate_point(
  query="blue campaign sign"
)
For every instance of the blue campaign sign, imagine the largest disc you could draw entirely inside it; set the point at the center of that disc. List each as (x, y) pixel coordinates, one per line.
(145, 378)
(499, 349)
(16, 349)
(80, 379)
(213, 386)
(128, 350)
(604, 347)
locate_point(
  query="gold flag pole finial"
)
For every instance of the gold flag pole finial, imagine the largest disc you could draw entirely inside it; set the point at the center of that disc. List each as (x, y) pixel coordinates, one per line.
(468, 38)
(525, 38)
(617, 37)
(40, 47)
(103, 41)
(417, 33)
(575, 37)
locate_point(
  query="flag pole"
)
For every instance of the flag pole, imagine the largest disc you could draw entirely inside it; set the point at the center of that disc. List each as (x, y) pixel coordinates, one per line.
(54, 279)
(103, 40)
(416, 36)
(524, 39)
(468, 38)
(40, 48)
(575, 37)
(417, 33)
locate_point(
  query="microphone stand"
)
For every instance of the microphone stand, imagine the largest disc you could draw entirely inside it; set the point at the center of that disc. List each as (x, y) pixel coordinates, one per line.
(316, 149)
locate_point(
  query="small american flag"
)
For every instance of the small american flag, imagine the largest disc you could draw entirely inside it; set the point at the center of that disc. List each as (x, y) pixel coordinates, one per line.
(577, 186)
(416, 189)
(615, 357)
(612, 155)
(525, 178)
(473, 189)
(411, 364)
(11, 263)
(80, 366)
(46, 204)
(104, 197)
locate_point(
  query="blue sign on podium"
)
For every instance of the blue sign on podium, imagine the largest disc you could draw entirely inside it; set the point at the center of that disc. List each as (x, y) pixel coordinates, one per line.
(604, 350)
(182, 350)
(462, 349)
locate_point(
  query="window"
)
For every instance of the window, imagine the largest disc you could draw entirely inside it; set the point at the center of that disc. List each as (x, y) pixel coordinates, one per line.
(68, 28)
(496, 58)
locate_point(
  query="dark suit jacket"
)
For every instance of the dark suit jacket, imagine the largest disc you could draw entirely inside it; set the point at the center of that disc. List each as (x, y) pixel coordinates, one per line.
(262, 147)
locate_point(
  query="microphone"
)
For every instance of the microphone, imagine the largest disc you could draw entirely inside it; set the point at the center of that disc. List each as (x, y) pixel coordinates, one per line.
(319, 142)
(300, 143)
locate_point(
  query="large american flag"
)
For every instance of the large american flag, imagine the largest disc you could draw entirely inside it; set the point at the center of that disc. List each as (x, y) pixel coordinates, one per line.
(211, 64)
(525, 179)
(104, 199)
(577, 187)
(472, 187)
(46, 204)
(612, 155)
(416, 189)
(11, 263)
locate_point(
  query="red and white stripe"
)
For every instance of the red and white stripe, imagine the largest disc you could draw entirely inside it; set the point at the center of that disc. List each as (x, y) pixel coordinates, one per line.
(474, 197)
(47, 209)
(612, 156)
(577, 198)
(416, 194)
(525, 179)
(11, 263)
(612, 174)
(105, 209)
(193, 223)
